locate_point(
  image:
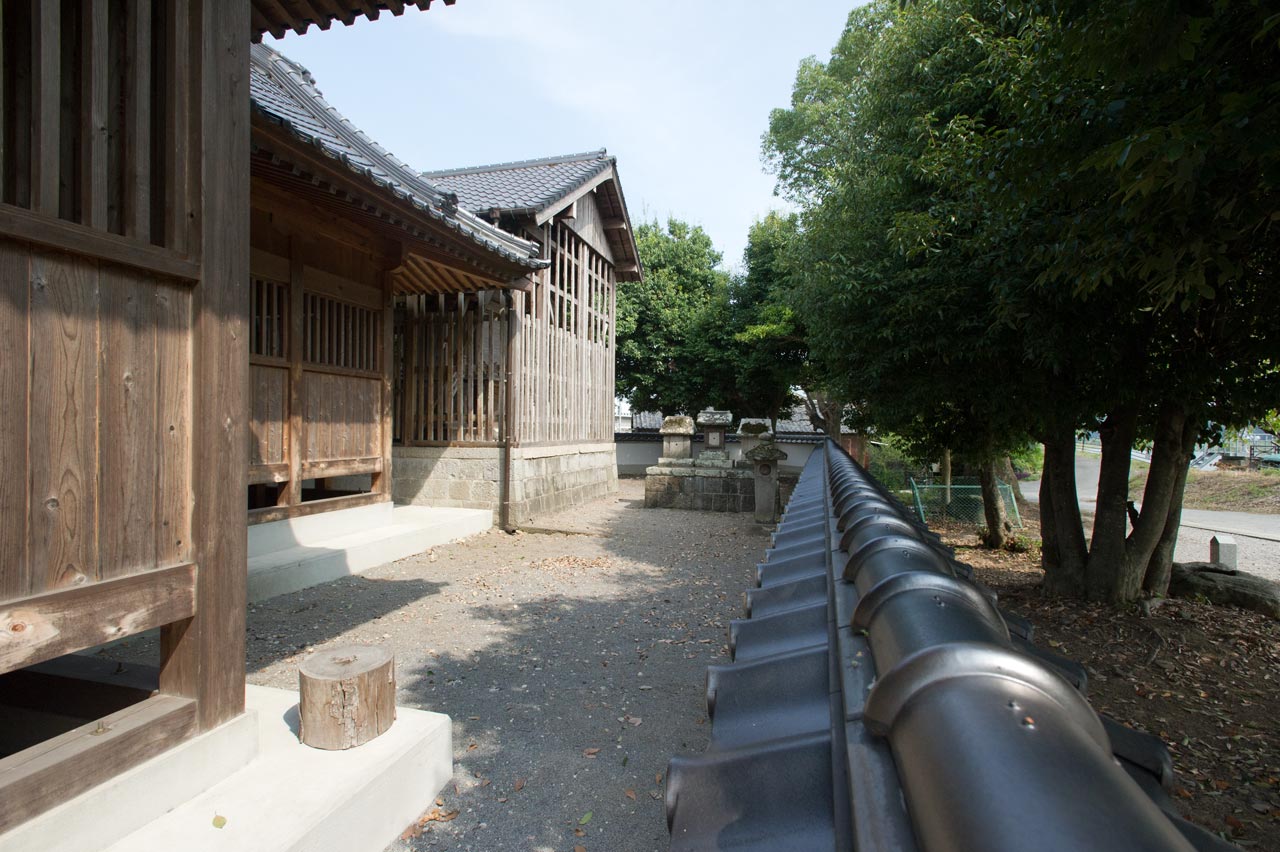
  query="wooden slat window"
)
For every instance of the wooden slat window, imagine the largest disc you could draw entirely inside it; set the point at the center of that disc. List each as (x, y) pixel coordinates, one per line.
(268, 321)
(340, 335)
(94, 123)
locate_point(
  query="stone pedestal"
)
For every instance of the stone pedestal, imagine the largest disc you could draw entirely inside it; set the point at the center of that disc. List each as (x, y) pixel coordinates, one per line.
(752, 432)
(677, 437)
(764, 461)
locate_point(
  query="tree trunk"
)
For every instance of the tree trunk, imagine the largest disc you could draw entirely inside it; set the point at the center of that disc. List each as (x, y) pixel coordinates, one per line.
(993, 510)
(1063, 555)
(825, 414)
(1107, 571)
(1160, 567)
(1166, 452)
(1008, 474)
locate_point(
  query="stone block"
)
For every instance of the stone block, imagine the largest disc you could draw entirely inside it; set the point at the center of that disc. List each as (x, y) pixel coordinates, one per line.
(1222, 550)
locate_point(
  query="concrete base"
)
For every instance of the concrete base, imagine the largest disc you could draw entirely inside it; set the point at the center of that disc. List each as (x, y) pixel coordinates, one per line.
(129, 801)
(294, 798)
(286, 556)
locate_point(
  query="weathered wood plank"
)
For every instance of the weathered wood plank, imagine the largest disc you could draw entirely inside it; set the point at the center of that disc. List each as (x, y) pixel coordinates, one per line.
(75, 238)
(93, 116)
(46, 106)
(173, 419)
(341, 467)
(63, 405)
(37, 779)
(203, 657)
(40, 627)
(296, 339)
(127, 424)
(268, 414)
(15, 372)
(177, 159)
(315, 507)
(138, 118)
(262, 474)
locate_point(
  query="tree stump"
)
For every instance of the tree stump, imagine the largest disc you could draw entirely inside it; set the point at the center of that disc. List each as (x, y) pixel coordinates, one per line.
(346, 696)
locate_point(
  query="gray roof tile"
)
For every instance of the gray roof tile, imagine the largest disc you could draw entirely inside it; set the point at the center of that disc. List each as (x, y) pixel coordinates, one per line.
(527, 186)
(285, 92)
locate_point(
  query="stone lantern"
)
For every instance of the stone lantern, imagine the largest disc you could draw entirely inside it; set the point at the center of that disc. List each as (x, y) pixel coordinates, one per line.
(764, 460)
(715, 430)
(677, 437)
(752, 432)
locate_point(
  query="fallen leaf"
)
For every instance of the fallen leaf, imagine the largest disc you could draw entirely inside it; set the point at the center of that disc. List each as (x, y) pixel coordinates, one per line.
(219, 821)
(519, 784)
(485, 783)
(577, 832)
(579, 849)
(657, 779)
(586, 818)
(590, 752)
(502, 798)
(630, 794)
(472, 747)
(1221, 785)
(439, 800)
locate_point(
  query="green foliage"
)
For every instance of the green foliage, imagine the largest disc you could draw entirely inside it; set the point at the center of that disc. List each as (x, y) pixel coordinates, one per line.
(692, 336)
(1028, 459)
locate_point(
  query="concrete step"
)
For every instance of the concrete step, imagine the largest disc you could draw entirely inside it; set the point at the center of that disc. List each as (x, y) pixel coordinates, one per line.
(293, 798)
(412, 529)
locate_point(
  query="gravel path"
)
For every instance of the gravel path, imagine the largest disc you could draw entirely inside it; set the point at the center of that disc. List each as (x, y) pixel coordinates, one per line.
(572, 664)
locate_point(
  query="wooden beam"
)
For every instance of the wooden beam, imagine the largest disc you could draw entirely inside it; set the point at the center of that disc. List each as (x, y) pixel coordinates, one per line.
(52, 624)
(94, 74)
(46, 105)
(138, 117)
(263, 474)
(341, 467)
(36, 779)
(552, 212)
(203, 657)
(77, 239)
(315, 507)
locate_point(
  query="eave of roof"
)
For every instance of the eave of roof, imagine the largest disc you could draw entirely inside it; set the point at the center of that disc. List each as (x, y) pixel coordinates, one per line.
(284, 93)
(540, 188)
(278, 18)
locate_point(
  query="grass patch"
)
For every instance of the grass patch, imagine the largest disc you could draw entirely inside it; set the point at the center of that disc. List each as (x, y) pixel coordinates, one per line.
(1221, 490)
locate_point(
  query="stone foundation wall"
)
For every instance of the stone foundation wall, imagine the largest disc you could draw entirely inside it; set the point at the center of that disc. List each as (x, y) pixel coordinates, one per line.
(543, 479)
(705, 490)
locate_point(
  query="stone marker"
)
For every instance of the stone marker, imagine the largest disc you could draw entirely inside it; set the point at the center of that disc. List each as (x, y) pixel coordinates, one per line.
(752, 432)
(677, 437)
(346, 696)
(764, 460)
(715, 428)
(1222, 550)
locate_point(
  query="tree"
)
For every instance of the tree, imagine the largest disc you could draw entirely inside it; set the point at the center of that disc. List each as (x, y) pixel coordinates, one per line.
(662, 322)
(1046, 194)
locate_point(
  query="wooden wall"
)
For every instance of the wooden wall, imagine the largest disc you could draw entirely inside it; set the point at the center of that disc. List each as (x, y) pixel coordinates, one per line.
(320, 378)
(124, 204)
(452, 387)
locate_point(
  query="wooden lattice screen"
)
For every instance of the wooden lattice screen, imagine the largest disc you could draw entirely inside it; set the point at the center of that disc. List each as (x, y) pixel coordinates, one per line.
(451, 389)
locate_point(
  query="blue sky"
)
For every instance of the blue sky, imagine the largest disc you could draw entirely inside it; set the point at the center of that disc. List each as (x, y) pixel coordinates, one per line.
(679, 92)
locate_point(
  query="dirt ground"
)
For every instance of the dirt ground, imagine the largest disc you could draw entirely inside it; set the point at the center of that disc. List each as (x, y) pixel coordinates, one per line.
(1206, 679)
(572, 663)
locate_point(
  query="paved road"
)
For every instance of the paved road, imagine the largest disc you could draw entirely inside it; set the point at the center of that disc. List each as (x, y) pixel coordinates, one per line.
(1257, 536)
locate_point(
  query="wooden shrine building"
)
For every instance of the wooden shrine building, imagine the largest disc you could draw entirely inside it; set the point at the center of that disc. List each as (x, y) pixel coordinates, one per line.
(130, 307)
(548, 443)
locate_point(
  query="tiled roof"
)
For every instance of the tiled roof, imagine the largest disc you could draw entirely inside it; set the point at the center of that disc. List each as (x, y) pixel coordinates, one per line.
(271, 16)
(527, 186)
(285, 92)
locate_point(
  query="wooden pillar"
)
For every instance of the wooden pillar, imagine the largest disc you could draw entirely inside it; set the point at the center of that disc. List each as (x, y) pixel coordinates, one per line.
(203, 656)
(382, 480)
(291, 494)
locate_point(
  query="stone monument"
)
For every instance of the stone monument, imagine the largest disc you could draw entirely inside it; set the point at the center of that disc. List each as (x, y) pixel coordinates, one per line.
(715, 429)
(764, 461)
(710, 483)
(677, 437)
(752, 432)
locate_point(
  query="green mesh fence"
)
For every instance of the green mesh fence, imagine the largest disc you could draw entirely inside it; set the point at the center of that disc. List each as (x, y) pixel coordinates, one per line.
(960, 502)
